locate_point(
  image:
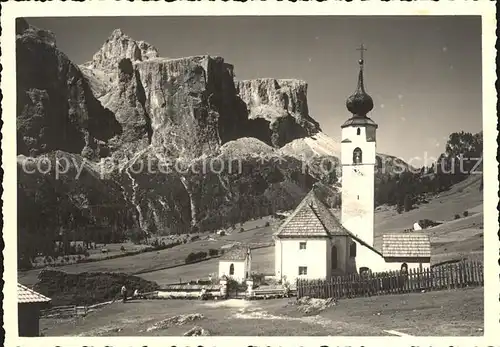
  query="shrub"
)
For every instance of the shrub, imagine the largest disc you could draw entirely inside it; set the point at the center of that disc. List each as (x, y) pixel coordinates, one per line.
(466, 213)
(194, 257)
(222, 233)
(122, 248)
(457, 216)
(399, 209)
(258, 278)
(242, 230)
(213, 252)
(267, 224)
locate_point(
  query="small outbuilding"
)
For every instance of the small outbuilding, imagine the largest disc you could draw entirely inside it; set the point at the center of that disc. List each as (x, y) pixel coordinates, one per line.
(410, 251)
(236, 263)
(29, 304)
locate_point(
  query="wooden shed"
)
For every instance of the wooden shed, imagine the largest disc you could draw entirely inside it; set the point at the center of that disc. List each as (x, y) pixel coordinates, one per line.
(29, 305)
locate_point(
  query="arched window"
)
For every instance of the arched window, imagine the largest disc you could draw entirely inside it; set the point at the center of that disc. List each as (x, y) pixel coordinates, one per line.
(231, 269)
(357, 156)
(352, 249)
(358, 132)
(334, 257)
(404, 269)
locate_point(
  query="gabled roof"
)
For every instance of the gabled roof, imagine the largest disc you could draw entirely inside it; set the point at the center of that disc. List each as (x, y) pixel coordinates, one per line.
(412, 245)
(26, 295)
(237, 253)
(311, 218)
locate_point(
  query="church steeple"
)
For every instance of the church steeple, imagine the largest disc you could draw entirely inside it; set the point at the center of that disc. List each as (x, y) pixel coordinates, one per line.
(360, 103)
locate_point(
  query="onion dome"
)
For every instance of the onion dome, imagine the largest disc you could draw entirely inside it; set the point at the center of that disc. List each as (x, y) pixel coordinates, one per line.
(360, 103)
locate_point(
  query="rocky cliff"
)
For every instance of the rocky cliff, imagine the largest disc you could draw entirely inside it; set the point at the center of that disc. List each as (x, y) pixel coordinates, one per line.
(165, 145)
(55, 105)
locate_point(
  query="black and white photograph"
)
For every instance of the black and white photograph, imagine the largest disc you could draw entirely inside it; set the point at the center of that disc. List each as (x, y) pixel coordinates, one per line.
(279, 175)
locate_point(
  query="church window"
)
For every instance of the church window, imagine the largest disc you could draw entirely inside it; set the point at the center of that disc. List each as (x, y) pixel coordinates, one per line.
(352, 249)
(302, 245)
(302, 270)
(334, 257)
(231, 269)
(357, 156)
(358, 131)
(404, 269)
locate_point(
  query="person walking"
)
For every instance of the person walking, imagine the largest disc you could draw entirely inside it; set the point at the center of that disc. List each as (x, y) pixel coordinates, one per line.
(124, 293)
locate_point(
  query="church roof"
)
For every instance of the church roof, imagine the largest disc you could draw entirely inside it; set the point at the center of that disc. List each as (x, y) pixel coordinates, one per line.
(236, 254)
(415, 245)
(311, 218)
(359, 121)
(27, 296)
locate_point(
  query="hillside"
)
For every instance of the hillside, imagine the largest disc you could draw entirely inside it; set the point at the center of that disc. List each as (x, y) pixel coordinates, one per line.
(452, 240)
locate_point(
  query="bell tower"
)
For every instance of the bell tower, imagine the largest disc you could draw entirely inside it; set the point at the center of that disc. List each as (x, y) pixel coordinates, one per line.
(358, 159)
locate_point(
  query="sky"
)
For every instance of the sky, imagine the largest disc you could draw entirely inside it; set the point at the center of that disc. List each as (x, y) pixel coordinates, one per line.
(423, 72)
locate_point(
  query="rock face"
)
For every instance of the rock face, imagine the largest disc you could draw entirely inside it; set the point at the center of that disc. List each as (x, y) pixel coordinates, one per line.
(162, 145)
(56, 109)
(119, 46)
(187, 100)
(126, 99)
(282, 104)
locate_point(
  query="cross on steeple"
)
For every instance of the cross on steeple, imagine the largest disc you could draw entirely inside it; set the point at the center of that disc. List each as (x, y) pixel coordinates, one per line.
(361, 49)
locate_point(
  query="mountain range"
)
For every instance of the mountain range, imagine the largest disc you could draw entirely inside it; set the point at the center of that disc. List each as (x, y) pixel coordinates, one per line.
(134, 141)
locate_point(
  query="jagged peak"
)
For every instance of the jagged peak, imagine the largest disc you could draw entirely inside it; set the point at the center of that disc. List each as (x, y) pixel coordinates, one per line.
(117, 33)
(118, 46)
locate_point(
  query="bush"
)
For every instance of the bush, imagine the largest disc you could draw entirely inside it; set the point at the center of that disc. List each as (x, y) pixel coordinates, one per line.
(399, 209)
(267, 224)
(466, 213)
(213, 252)
(222, 233)
(194, 257)
(457, 216)
(258, 278)
(242, 230)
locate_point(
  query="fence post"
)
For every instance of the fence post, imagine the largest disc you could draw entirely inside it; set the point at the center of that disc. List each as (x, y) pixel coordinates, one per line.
(468, 272)
(481, 274)
(462, 276)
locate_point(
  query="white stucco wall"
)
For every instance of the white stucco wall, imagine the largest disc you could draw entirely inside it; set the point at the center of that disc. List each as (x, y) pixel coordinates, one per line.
(358, 184)
(289, 257)
(416, 265)
(366, 257)
(376, 263)
(240, 268)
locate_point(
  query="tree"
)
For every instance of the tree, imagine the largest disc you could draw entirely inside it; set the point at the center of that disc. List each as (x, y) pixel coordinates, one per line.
(408, 203)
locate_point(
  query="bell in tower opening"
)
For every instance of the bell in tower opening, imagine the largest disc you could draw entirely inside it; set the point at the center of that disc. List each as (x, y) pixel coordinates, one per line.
(357, 156)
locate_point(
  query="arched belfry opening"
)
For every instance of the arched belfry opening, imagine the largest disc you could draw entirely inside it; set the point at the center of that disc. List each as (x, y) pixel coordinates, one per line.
(357, 156)
(358, 131)
(231, 269)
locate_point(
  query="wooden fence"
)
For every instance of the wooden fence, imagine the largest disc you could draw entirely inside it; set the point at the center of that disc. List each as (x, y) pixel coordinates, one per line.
(66, 311)
(450, 276)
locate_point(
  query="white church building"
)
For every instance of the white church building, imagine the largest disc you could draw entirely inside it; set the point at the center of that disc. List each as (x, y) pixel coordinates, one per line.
(313, 244)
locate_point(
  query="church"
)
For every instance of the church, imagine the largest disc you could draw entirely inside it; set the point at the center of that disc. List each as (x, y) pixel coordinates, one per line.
(313, 244)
